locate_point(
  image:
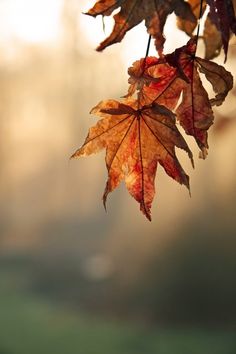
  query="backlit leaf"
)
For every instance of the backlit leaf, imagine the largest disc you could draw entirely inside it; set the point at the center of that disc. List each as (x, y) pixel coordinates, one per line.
(136, 139)
(177, 74)
(133, 12)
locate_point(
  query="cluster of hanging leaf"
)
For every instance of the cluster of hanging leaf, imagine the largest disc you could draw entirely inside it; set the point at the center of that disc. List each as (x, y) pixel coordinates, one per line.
(140, 131)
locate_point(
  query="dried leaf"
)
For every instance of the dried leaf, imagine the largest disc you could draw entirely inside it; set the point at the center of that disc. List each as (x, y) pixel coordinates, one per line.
(133, 12)
(212, 39)
(176, 74)
(220, 79)
(189, 26)
(219, 25)
(195, 113)
(140, 73)
(223, 16)
(136, 139)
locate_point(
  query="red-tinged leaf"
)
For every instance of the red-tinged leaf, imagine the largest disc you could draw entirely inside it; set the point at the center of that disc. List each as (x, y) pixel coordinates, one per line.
(136, 140)
(140, 74)
(161, 80)
(158, 82)
(133, 12)
(176, 73)
(184, 59)
(195, 113)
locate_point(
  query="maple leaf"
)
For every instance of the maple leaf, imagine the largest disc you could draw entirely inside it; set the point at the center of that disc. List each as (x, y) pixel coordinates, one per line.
(136, 140)
(140, 133)
(176, 74)
(194, 112)
(132, 12)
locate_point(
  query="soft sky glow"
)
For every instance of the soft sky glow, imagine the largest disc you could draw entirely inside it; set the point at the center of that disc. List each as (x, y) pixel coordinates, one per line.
(36, 21)
(31, 20)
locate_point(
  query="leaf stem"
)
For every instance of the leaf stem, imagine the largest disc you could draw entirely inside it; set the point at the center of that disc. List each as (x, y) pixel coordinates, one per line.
(148, 46)
(199, 19)
(144, 64)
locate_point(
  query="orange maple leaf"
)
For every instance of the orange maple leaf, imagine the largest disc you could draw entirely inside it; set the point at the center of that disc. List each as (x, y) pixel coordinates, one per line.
(136, 139)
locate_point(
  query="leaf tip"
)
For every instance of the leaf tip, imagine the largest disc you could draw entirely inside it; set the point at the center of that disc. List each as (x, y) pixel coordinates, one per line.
(203, 153)
(104, 200)
(74, 155)
(146, 211)
(186, 182)
(99, 48)
(148, 215)
(105, 194)
(190, 155)
(189, 191)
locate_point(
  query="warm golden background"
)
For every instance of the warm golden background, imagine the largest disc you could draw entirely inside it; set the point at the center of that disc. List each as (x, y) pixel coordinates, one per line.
(74, 279)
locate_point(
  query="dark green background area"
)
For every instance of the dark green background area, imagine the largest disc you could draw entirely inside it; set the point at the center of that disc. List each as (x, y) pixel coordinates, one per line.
(28, 325)
(182, 302)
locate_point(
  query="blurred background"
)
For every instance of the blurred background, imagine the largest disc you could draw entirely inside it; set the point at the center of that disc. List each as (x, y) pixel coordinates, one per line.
(72, 277)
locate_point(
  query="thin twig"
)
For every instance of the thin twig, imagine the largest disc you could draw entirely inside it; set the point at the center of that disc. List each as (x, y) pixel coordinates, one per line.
(199, 22)
(148, 46)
